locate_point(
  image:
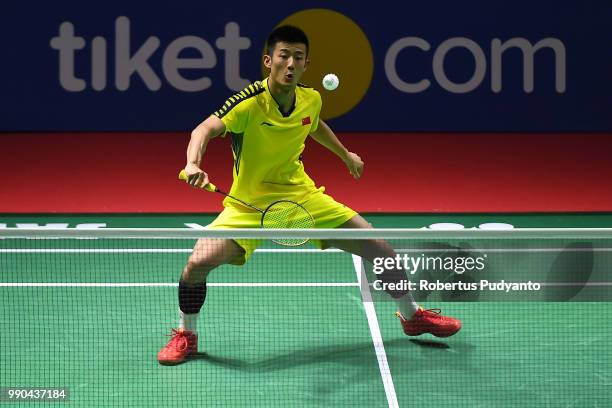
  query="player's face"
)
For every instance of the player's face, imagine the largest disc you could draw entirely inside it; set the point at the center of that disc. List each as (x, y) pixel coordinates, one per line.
(287, 63)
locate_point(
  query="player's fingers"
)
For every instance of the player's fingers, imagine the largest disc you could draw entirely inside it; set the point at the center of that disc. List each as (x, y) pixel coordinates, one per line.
(191, 179)
(205, 180)
(202, 180)
(357, 166)
(195, 179)
(360, 169)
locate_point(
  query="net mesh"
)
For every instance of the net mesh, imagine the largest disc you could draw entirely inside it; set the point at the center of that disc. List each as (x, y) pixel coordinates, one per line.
(303, 327)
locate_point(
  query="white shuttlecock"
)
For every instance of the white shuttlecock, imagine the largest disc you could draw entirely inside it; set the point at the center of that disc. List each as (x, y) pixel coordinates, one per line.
(330, 82)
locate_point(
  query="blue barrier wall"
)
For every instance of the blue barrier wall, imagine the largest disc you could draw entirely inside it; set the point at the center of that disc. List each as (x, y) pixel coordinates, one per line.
(411, 66)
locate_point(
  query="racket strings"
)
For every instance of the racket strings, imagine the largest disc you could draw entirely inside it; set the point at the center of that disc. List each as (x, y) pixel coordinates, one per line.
(287, 215)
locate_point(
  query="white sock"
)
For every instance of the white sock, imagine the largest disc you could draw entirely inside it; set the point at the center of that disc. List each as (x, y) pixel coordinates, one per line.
(407, 306)
(189, 321)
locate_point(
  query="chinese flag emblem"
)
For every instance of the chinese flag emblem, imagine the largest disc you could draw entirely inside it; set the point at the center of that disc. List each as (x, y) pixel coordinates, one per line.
(306, 121)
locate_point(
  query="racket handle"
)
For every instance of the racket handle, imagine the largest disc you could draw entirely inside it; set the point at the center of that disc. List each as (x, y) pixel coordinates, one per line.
(208, 187)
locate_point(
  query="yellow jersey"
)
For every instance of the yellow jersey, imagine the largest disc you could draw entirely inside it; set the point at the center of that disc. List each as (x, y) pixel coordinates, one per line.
(267, 145)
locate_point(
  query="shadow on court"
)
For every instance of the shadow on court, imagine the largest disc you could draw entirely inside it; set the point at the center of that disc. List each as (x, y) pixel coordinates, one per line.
(358, 354)
(430, 343)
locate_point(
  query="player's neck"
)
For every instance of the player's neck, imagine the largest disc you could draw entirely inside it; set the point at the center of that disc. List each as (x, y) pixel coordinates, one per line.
(284, 96)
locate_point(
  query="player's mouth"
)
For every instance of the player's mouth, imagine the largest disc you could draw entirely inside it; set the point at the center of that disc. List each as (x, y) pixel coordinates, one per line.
(289, 77)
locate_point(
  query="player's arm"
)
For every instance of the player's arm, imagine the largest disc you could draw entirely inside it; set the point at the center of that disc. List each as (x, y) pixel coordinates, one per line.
(326, 137)
(200, 136)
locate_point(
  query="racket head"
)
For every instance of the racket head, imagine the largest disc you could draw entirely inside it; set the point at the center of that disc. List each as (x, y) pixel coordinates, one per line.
(287, 214)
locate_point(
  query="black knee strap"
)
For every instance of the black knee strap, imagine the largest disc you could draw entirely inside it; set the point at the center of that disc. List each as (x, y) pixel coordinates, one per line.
(191, 297)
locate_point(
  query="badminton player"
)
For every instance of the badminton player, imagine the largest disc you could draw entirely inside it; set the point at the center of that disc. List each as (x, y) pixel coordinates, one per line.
(268, 123)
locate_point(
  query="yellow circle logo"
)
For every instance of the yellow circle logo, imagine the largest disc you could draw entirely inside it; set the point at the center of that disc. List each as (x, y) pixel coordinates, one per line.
(337, 46)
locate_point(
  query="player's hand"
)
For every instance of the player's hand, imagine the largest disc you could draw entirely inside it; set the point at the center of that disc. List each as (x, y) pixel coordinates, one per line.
(354, 164)
(195, 176)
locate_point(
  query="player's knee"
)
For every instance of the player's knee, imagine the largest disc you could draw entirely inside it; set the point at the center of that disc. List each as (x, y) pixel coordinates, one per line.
(197, 269)
(203, 263)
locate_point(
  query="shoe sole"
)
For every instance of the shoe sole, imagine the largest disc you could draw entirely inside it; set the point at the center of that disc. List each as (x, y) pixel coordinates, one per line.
(435, 334)
(171, 363)
(177, 362)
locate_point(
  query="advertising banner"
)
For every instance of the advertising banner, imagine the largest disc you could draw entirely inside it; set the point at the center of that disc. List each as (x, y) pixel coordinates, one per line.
(509, 66)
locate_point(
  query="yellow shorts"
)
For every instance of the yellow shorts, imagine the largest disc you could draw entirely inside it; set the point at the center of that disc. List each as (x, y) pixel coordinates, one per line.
(327, 213)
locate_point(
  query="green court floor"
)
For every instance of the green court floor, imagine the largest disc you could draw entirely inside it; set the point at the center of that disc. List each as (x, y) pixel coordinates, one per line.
(285, 330)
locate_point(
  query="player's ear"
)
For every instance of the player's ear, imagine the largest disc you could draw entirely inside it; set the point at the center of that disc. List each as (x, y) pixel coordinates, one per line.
(306, 64)
(267, 60)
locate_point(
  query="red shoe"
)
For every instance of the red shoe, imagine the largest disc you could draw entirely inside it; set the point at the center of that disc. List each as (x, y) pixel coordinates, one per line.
(182, 344)
(430, 321)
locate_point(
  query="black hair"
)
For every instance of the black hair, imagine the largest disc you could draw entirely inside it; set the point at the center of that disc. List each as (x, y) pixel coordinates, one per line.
(288, 34)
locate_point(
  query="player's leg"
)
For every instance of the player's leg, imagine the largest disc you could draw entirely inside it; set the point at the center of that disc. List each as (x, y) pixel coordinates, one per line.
(207, 254)
(369, 249)
(414, 319)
